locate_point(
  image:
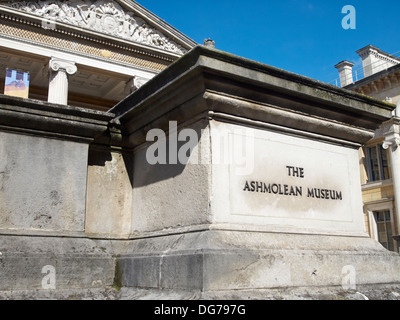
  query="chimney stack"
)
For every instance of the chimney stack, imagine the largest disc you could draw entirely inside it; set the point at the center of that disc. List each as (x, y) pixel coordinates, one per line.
(345, 69)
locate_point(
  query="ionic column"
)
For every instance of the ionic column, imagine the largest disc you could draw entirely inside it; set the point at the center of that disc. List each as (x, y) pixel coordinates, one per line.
(58, 80)
(134, 84)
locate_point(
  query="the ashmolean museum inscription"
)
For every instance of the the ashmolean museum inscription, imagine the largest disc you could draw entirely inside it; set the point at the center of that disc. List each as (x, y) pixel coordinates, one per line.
(292, 182)
(292, 190)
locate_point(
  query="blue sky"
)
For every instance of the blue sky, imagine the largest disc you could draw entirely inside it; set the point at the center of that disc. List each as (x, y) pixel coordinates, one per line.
(301, 36)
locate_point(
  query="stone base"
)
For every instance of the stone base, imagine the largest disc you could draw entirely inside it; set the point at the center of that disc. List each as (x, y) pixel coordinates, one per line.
(366, 292)
(35, 262)
(229, 263)
(211, 264)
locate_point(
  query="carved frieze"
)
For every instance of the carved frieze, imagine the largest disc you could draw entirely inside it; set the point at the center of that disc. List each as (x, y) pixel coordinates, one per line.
(102, 16)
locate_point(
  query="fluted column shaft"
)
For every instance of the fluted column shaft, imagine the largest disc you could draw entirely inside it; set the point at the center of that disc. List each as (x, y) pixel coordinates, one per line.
(58, 80)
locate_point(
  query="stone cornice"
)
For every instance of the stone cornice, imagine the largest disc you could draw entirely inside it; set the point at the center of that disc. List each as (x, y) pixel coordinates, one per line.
(194, 59)
(378, 53)
(221, 83)
(382, 80)
(55, 121)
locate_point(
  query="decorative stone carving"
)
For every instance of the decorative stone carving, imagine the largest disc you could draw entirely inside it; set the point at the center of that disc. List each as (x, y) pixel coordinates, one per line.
(99, 15)
(68, 66)
(392, 140)
(391, 132)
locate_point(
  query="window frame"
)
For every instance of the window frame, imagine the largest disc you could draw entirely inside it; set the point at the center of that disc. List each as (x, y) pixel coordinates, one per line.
(370, 209)
(381, 168)
(388, 231)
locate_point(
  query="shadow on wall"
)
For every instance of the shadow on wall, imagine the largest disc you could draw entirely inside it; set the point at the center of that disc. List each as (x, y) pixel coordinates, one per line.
(158, 160)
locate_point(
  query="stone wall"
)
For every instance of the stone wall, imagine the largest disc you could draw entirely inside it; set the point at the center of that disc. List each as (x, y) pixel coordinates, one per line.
(84, 208)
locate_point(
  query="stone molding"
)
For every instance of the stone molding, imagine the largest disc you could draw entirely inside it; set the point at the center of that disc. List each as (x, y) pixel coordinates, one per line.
(378, 54)
(341, 115)
(35, 117)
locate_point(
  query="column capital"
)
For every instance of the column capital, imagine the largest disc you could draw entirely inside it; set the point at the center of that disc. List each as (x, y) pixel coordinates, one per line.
(134, 84)
(391, 140)
(130, 86)
(57, 64)
(391, 133)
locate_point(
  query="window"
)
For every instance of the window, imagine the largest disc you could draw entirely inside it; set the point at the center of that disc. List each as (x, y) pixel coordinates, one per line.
(377, 163)
(17, 83)
(384, 228)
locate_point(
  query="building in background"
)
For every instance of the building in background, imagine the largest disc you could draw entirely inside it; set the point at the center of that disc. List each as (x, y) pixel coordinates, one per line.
(379, 78)
(88, 54)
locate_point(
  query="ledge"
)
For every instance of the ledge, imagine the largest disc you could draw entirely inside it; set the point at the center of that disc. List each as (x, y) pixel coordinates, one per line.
(41, 118)
(377, 184)
(207, 80)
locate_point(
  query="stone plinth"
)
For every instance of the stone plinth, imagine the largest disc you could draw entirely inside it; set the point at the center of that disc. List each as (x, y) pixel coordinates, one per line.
(270, 196)
(219, 178)
(43, 173)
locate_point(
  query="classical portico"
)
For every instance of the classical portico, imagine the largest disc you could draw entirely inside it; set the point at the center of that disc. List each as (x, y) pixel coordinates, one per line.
(111, 48)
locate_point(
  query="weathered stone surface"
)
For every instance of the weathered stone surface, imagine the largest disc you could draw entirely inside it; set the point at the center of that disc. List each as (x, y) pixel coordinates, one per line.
(222, 261)
(78, 263)
(43, 175)
(43, 165)
(234, 243)
(109, 194)
(169, 196)
(42, 184)
(372, 292)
